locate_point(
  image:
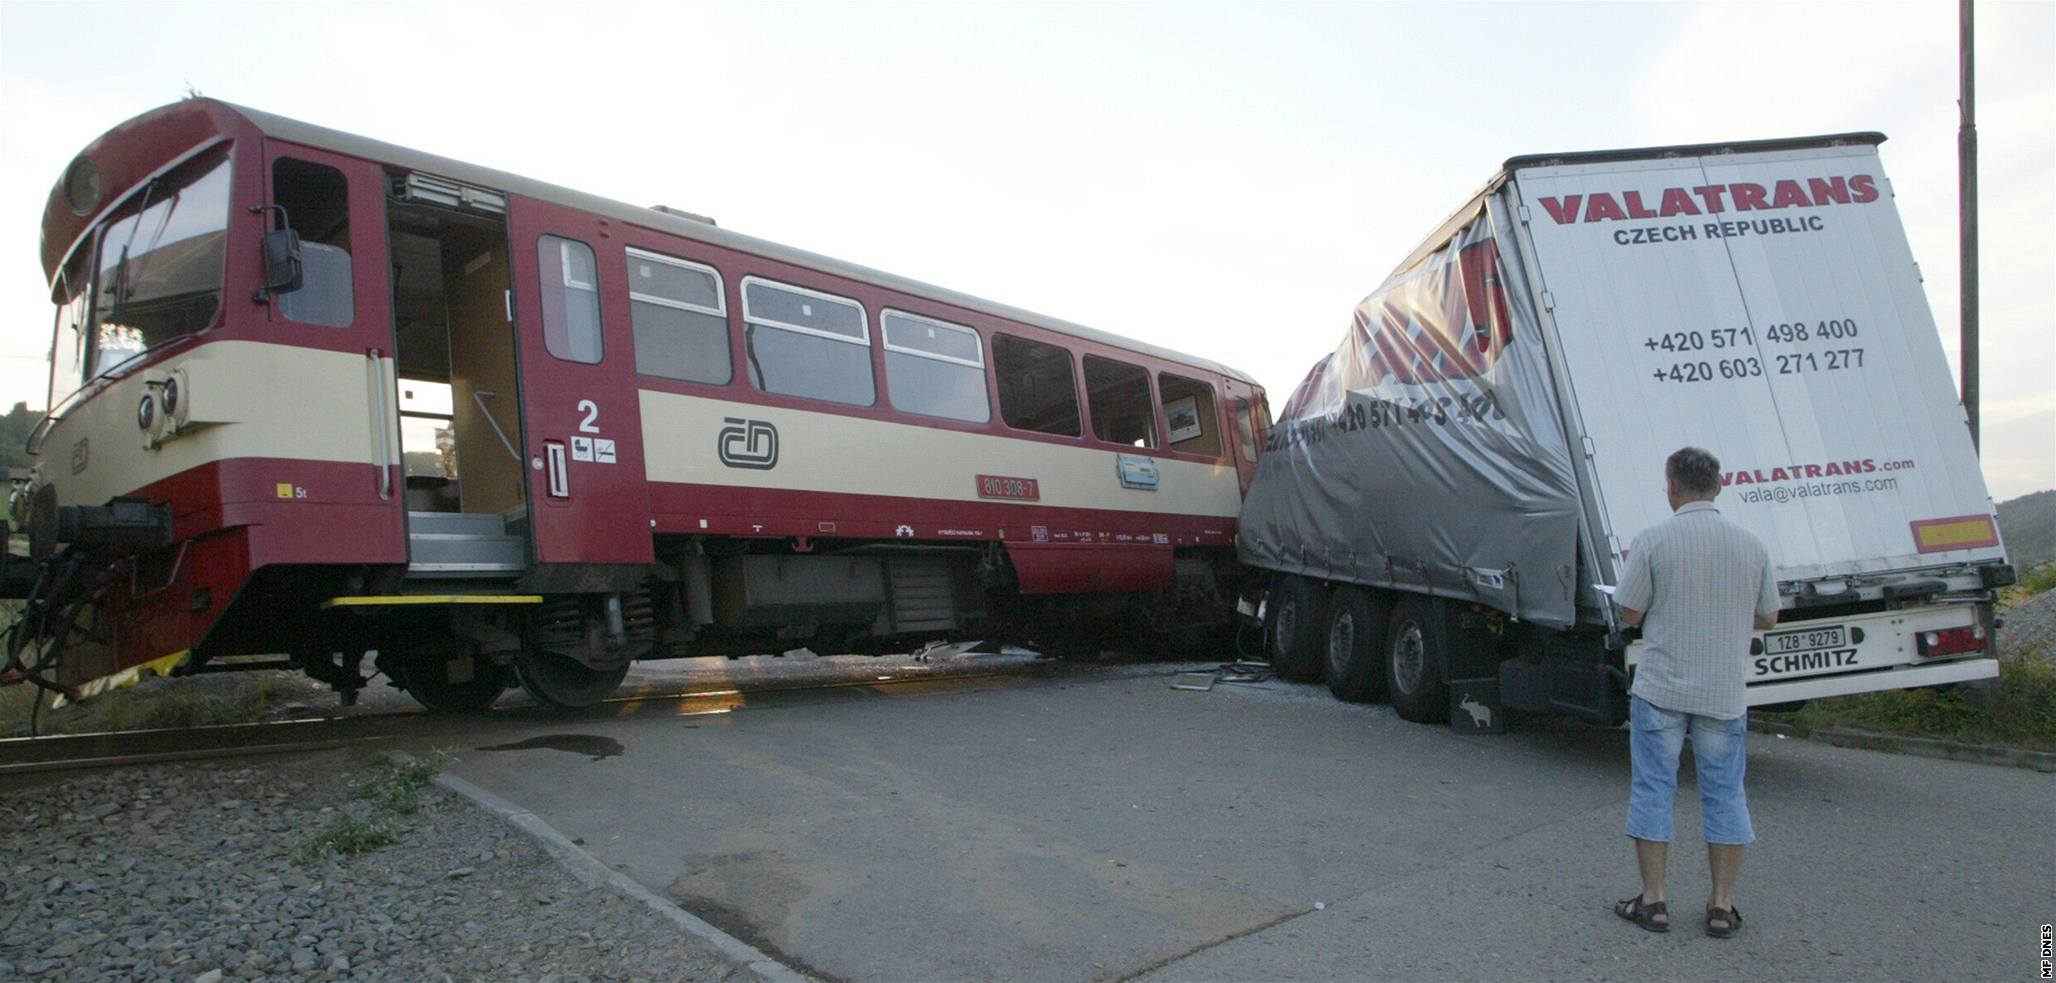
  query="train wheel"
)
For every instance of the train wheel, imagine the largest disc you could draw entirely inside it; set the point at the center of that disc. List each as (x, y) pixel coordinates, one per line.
(1413, 662)
(1292, 629)
(562, 681)
(1356, 626)
(450, 685)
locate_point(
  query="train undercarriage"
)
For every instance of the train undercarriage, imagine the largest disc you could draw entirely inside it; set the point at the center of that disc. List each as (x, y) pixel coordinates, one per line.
(458, 644)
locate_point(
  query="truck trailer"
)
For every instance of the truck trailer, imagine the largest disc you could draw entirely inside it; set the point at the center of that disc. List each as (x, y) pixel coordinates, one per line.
(1448, 498)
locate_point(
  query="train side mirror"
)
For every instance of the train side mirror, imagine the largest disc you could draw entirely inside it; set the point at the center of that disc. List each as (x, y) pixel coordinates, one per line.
(283, 269)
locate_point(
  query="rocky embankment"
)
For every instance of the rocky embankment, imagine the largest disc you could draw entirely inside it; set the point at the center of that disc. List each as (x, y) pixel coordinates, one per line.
(208, 872)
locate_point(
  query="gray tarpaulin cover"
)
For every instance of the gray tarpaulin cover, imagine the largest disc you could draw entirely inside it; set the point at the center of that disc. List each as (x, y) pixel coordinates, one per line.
(1426, 451)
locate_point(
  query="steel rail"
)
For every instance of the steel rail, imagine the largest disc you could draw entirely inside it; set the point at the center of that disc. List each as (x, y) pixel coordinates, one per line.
(108, 749)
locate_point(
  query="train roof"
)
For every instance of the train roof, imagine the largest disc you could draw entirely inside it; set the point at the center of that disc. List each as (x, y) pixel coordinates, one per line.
(312, 135)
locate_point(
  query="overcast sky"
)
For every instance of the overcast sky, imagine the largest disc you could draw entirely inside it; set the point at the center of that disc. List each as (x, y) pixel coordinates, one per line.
(1226, 180)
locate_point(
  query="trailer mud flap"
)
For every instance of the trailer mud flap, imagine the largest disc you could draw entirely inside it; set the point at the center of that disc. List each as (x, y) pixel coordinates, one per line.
(1474, 706)
(1585, 691)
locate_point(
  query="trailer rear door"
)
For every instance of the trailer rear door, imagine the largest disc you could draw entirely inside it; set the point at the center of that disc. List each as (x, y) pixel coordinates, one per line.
(1764, 306)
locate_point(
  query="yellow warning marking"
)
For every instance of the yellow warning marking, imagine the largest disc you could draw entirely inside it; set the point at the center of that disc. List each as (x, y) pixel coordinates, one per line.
(124, 679)
(285, 489)
(1941, 534)
(1955, 532)
(382, 600)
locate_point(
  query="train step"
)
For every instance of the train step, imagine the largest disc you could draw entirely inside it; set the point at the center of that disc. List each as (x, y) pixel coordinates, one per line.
(460, 544)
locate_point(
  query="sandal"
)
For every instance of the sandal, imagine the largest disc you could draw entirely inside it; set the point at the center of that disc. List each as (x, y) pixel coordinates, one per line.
(1644, 915)
(1731, 915)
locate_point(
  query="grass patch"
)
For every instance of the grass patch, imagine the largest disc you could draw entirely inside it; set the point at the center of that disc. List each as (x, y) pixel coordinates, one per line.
(184, 706)
(2019, 712)
(396, 783)
(391, 789)
(2039, 579)
(347, 836)
(151, 705)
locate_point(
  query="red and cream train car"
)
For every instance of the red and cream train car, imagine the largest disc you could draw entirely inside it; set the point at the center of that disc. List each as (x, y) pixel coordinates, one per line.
(319, 395)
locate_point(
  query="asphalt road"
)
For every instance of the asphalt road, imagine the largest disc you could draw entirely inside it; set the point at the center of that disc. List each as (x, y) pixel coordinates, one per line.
(1105, 826)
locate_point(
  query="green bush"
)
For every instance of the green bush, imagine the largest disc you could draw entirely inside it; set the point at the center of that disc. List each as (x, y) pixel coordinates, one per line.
(2039, 579)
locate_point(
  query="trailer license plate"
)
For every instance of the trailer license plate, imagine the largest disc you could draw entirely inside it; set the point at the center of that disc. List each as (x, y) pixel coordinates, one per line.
(1810, 652)
(1806, 641)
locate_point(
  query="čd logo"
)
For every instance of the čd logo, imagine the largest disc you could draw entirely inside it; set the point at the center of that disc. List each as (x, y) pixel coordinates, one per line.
(749, 444)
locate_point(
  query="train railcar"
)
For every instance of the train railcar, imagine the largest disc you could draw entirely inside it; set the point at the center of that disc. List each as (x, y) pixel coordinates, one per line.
(326, 398)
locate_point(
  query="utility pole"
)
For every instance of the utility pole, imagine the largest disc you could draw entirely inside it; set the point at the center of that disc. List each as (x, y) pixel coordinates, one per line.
(1966, 201)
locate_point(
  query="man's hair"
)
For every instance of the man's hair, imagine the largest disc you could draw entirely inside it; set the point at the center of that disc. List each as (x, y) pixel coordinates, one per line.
(1695, 471)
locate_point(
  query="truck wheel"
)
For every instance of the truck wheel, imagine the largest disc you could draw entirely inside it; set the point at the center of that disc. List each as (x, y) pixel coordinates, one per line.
(1356, 626)
(1413, 662)
(1292, 629)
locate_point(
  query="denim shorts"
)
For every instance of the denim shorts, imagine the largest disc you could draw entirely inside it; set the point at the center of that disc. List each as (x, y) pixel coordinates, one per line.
(1655, 737)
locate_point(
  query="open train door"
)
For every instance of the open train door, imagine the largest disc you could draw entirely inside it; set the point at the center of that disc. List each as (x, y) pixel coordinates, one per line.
(581, 419)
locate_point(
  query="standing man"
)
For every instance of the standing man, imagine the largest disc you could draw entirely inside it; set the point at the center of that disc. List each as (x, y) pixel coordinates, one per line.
(1698, 585)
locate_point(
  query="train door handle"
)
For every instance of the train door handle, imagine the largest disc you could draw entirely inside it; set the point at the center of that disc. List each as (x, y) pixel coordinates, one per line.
(556, 469)
(379, 423)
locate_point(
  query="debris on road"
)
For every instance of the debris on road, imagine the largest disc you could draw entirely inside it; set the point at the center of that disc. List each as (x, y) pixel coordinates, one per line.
(1244, 671)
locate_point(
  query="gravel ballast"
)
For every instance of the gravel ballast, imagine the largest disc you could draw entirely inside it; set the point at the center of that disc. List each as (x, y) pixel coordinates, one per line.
(188, 872)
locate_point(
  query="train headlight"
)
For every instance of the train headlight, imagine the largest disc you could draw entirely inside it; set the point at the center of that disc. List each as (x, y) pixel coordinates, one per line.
(169, 397)
(82, 186)
(146, 413)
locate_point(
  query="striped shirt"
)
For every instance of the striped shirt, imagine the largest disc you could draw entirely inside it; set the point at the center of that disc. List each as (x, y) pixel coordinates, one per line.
(1700, 581)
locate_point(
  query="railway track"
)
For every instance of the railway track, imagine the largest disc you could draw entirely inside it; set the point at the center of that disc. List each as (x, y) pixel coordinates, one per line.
(72, 752)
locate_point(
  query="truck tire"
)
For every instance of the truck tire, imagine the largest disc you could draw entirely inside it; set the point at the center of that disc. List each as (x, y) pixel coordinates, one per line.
(1292, 629)
(1413, 662)
(1356, 630)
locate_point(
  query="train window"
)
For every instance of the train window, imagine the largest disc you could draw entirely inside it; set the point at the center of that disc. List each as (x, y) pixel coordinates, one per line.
(1190, 420)
(68, 350)
(681, 319)
(1245, 429)
(1036, 391)
(316, 202)
(934, 368)
(806, 343)
(571, 299)
(1118, 396)
(428, 441)
(162, 256)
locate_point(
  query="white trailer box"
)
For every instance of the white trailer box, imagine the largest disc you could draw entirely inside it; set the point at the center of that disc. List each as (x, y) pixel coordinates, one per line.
(1491, 433)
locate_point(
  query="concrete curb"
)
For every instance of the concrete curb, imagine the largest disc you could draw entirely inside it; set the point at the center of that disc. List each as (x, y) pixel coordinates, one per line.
(1926, 747)
(590, 871)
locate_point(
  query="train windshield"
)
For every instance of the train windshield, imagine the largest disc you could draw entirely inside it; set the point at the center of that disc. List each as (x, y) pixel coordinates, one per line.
(158, 272)
(68, 352)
